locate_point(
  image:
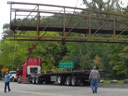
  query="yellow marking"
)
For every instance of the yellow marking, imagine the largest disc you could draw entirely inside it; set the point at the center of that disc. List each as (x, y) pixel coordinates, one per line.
(38, 93)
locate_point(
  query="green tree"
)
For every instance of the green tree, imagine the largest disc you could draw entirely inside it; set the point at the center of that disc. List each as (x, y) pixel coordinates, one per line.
(116, 61)
(122, 65)
(11, 58)
(103, 5)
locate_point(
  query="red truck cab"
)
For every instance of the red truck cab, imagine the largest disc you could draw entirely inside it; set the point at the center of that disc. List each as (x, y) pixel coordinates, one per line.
(31, 66)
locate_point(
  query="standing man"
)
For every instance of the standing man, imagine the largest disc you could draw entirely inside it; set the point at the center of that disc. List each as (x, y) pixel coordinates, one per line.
(94, 77)
(7, 82)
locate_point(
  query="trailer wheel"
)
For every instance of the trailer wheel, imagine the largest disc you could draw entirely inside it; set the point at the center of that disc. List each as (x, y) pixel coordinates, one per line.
(74, 81)
(60, 80)
(18, 80)
(68, 81)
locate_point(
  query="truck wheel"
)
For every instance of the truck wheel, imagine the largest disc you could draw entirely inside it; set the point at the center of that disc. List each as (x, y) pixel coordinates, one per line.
(37, 81)
(13, 79)
(74, 81)
(68, 81)
(18, 80)
(34, 81)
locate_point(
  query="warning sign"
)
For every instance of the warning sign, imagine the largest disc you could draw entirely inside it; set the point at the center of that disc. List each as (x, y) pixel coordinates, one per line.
(4, 69)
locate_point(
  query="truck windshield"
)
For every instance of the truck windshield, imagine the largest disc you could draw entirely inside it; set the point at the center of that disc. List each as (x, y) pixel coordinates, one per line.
(34, 70)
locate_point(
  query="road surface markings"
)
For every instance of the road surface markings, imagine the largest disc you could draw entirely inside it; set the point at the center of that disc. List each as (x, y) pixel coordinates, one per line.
(38, 93)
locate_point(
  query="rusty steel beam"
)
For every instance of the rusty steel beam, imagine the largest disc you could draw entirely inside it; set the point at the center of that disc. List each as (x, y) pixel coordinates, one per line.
(100, 27)
(92, 17)
(89, 10)
(90, 26)
(124, 31)
(38, 22)
(60, 29)
(64, 22)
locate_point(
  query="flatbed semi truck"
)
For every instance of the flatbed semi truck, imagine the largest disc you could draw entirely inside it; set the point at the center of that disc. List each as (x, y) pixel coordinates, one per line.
(31, 72)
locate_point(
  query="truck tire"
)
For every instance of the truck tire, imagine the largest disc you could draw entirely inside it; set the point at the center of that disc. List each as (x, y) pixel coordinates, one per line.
(74, 81)
(13, 79)
(33, 80)
(18, 80)
(37, 81)
(60, 80)
(68, 81)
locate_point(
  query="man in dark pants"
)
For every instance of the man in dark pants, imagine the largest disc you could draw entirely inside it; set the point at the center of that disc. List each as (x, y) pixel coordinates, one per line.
(94, 77)
(7, 82)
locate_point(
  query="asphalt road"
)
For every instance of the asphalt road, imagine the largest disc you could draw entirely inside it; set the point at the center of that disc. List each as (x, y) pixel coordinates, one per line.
(57, 90)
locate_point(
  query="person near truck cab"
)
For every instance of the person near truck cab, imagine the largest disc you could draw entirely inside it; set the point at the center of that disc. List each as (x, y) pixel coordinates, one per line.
(7, 82)
(94, 77)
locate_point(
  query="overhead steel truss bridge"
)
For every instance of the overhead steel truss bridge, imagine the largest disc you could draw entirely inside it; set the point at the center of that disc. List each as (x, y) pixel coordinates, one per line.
(45, 22)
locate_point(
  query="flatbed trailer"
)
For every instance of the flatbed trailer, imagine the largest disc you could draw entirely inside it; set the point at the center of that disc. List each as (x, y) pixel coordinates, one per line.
(66, 78)
(71, 78)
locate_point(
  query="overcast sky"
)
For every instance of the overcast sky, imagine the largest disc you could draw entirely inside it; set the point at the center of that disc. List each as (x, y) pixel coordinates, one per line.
(5, 8)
